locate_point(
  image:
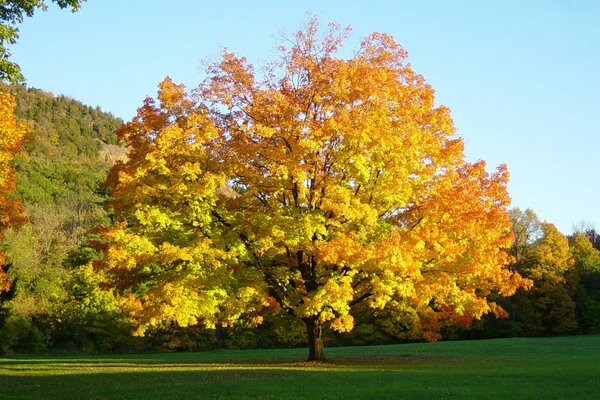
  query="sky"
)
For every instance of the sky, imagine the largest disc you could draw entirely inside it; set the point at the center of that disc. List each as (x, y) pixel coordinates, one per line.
(522, 78)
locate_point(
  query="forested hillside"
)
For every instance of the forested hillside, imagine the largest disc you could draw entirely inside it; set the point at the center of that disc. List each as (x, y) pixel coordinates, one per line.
(60, 172)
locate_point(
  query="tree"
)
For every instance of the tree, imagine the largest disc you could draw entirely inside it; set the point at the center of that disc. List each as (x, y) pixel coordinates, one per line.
(12, 132)
(331, 184)
(526, 228)
(593, 236)
(548, 308)
(587, 263)
(12, 13)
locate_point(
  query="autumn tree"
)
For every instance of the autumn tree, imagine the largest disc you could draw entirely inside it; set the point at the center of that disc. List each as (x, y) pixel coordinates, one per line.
(11, 134)
(12, 13)
(329, 184)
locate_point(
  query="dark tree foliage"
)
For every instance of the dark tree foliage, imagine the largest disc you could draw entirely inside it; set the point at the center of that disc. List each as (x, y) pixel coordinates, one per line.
(594, 237)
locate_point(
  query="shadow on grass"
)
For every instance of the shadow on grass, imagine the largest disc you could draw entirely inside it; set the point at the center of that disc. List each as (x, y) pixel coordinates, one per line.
(204, 362)
(257, 382)
(519, 368)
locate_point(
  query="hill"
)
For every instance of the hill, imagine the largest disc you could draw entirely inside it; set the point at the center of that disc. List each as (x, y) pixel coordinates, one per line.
(60, 172)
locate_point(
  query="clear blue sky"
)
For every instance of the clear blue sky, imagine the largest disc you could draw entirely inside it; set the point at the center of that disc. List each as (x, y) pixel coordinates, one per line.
(522, 77)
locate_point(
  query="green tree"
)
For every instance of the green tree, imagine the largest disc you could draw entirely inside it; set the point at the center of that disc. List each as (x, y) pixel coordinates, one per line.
(587, 262)
(549, 307)
(12, 13)
(39, 279)
(527, 228)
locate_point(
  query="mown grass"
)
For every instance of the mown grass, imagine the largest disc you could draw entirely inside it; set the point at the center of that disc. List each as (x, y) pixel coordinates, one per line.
(552, 368)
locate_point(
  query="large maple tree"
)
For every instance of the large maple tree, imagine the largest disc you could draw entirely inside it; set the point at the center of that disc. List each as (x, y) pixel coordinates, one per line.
(12, 132)
(329, 183)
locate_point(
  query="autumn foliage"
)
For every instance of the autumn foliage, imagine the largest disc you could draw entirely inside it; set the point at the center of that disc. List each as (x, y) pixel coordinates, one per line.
(329, 184)
(11, 134)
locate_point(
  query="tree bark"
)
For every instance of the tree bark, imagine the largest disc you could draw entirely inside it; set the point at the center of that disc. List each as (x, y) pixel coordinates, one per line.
(315, 339)
(219, 336)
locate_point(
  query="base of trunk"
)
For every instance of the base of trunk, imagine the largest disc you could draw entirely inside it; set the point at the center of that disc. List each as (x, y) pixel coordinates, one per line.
(315, 340)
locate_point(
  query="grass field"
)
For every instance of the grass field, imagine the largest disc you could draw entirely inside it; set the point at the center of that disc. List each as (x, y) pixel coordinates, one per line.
(553, 368)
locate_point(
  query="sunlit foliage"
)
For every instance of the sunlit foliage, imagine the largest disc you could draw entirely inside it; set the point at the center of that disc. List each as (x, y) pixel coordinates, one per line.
(12, 132)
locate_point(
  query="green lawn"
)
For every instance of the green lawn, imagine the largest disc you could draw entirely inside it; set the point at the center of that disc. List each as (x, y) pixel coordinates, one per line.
(554, 368)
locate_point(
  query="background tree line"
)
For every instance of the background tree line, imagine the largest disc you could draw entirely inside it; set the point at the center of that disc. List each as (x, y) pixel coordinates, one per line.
(565, 298)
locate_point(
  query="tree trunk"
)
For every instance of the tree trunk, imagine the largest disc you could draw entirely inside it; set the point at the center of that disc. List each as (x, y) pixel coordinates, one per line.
(219, 336)
(315, 340)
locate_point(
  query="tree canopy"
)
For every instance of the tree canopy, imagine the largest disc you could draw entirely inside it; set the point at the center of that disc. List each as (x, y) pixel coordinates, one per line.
(329, 184)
